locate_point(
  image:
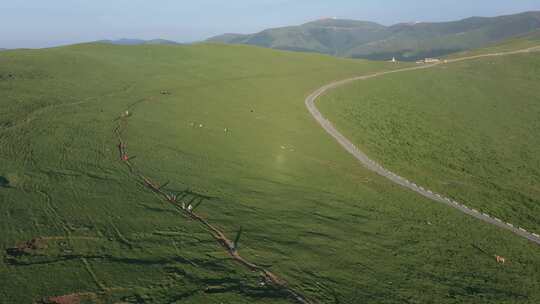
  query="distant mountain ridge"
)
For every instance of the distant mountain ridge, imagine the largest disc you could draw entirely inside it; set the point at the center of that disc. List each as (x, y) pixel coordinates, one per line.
(405, 41)
(127, 41)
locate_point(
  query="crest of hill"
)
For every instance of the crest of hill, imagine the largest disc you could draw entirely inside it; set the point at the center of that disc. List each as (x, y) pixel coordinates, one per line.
(405, 41)
(345, 24)
(127, 41)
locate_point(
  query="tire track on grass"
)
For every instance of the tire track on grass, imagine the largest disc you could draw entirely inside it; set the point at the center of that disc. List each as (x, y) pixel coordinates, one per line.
(377, 168)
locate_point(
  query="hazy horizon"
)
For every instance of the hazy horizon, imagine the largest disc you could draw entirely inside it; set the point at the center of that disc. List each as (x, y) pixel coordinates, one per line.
(35, 24)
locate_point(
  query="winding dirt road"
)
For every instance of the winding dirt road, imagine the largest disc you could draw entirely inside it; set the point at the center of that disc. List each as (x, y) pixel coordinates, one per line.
(373, 166)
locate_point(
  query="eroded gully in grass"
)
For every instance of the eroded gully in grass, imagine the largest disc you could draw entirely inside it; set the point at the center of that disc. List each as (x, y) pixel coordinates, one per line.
(189, 211)
(377, 168)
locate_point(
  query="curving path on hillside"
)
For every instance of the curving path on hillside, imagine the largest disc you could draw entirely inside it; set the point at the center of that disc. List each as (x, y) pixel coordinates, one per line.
(373, 166)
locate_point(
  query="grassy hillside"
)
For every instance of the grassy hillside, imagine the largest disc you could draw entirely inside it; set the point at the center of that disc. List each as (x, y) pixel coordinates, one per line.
(405, 41)
(525, 41)
(225, 123)
(468, 130)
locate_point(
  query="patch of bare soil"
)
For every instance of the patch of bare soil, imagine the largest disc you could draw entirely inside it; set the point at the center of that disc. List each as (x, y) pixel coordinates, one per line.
(74, 298)
(27, 247)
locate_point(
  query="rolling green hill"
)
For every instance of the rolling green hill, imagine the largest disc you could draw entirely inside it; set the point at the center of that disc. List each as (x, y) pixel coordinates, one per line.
(225, 125)
(369, 40)
(466, 129)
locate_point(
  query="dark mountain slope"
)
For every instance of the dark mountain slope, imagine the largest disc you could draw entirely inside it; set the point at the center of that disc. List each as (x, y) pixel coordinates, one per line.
(406, 41)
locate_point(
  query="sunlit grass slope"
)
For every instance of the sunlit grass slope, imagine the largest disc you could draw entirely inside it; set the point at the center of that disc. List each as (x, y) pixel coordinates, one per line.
(469, 130)
(227, 122)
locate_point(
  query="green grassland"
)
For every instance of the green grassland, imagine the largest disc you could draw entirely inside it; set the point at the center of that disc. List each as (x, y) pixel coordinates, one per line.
(469, 130)
(228, 123)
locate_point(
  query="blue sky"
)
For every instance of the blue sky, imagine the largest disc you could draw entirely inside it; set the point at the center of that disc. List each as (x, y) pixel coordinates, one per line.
(39, 23)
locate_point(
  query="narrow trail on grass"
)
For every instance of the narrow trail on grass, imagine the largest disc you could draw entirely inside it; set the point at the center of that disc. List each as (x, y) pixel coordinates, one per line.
(188, 210)
(377, 168)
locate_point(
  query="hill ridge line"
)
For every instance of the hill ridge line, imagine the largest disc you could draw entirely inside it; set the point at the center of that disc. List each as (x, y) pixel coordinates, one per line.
(377, 168)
